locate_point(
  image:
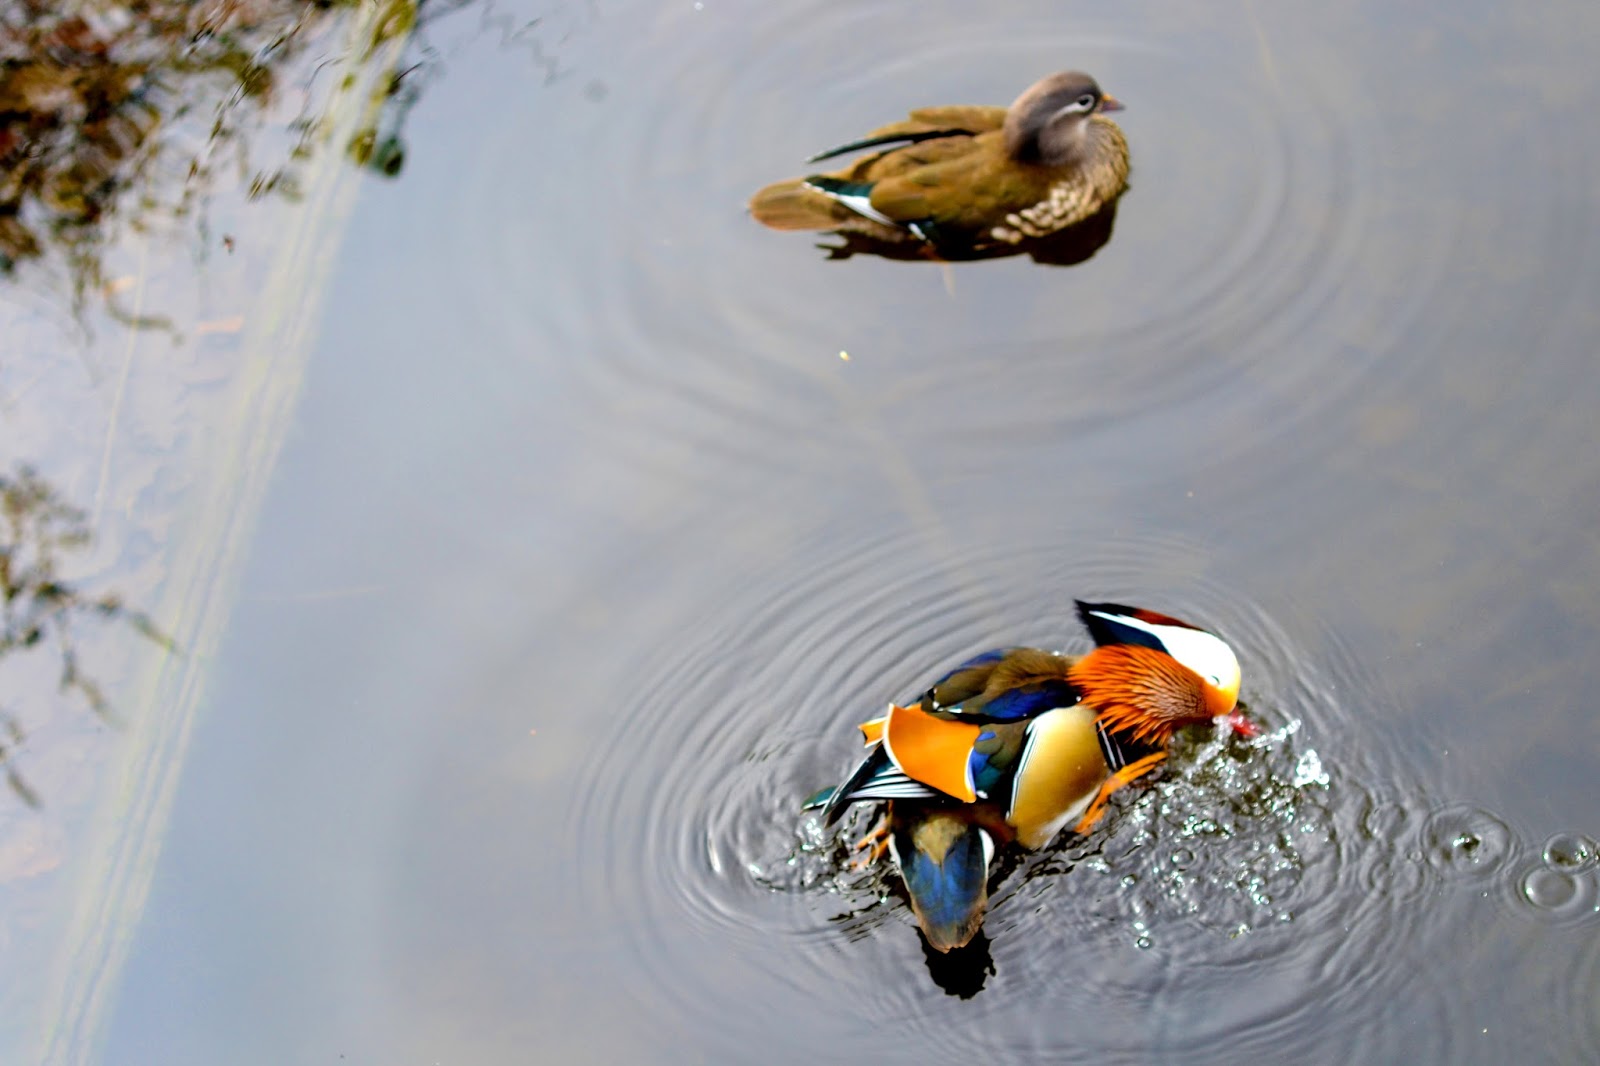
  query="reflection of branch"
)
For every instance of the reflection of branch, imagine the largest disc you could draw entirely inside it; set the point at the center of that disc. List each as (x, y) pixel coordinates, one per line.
(93, 110)
(542, 37)
(36, 529)
(12, 740)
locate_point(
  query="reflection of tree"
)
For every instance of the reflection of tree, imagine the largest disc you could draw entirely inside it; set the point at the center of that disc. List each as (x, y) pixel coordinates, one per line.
(40, 606)
(98, 102)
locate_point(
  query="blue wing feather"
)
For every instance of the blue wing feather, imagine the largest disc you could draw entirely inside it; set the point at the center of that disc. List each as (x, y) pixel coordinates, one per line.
(1029, 702)
(964, 692)
(986, 776)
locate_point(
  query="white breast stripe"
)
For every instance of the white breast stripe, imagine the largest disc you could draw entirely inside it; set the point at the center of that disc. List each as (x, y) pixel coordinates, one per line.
(1022, 767)
(1109, 747)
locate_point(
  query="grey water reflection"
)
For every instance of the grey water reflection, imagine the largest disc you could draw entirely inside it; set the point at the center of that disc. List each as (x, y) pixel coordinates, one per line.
(580, 548)
(166, 194)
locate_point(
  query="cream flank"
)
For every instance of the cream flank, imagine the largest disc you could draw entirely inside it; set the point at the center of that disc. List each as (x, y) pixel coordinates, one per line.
(1059, 775)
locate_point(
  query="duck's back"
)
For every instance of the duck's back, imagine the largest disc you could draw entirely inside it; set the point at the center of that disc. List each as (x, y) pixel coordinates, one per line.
(970, 187)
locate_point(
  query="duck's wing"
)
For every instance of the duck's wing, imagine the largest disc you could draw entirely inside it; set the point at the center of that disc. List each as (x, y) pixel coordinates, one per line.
(924, 124)
(968, 761)
(1004, 685)
(875, 778)
(844, 198)
(963, 191)
(964, 682)
(962, 738)
(916, 755)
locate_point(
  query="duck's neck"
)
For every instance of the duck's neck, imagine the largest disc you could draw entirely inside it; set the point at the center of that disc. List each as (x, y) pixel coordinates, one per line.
(1068, 145)
(1138, 691)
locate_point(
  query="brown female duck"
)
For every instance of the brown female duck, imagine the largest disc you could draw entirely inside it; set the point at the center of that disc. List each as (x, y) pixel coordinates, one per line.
(965, 179)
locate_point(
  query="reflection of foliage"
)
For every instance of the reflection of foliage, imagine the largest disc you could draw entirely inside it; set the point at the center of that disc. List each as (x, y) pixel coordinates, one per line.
(40, 607)
(98, 103)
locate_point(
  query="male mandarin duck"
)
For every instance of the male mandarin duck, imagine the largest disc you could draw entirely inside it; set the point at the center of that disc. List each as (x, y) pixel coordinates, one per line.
(965, 179)
(1018, 743)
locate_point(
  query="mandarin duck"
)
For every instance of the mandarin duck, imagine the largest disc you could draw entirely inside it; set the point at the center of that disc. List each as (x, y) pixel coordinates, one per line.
(1018, 743)
(965, 180)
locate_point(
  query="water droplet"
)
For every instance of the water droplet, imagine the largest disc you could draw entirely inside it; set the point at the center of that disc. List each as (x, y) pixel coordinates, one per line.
(1129, 880)
(1570, 853)
(1308, 770)
(1182, 858)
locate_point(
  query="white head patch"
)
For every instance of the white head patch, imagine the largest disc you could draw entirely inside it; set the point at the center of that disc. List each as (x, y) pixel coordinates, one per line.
(1205, 654)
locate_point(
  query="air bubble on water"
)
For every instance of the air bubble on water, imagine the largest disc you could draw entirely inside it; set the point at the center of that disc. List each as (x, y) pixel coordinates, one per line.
(1548, 890)
(1569, 853)
(1466, 841)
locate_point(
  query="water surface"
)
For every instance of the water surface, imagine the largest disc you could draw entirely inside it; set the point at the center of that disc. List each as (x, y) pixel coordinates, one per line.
(587, 548)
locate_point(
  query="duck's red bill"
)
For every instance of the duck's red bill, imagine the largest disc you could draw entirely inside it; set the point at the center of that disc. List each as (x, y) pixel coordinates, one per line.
(1242, 725)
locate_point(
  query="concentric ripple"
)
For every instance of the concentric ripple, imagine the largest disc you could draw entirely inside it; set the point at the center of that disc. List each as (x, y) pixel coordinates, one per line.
(1272, 870)
(1464, 843)
(1294, 879)
(695, 326)
(1298, 268)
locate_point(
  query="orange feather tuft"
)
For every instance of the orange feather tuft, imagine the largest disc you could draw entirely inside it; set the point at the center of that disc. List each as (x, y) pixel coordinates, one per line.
(1139, 691)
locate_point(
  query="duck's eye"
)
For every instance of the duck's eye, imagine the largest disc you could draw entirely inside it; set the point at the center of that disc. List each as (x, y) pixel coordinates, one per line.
(1085, 102)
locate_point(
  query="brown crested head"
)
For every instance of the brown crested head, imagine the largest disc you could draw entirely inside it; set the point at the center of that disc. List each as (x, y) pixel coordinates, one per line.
(1145, 693)
(1049, 123)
